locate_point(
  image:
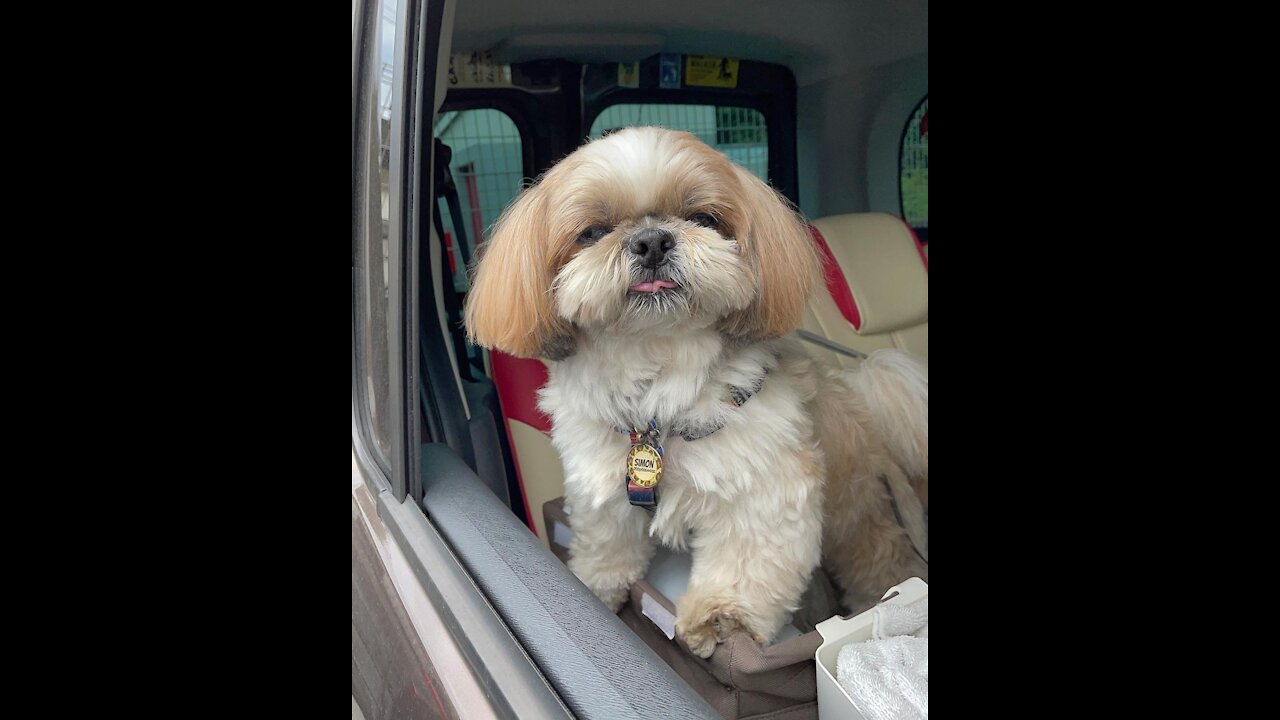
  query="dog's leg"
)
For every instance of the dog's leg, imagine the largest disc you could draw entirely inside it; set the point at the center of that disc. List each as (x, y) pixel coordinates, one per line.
(895, 389)
(866, 549)
(753, 558)
(874, 429)
(611, 549)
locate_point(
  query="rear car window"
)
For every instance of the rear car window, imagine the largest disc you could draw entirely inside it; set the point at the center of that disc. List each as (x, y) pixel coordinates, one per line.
(487, 168)
(914, 169)
(737, 132)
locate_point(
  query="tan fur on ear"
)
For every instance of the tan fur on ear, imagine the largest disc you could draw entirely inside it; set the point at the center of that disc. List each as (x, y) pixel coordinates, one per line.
(509, 304)
(783, 254)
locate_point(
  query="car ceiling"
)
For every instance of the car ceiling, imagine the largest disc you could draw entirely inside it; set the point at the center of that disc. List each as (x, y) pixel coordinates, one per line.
(817, 39)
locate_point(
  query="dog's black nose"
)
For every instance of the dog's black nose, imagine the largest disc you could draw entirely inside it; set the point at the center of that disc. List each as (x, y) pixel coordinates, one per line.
(652, 244)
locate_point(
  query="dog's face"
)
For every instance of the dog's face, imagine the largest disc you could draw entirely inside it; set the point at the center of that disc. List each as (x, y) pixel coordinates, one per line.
(643, 230)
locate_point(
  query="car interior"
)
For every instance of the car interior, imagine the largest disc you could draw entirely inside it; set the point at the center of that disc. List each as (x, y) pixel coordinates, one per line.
(827, 100)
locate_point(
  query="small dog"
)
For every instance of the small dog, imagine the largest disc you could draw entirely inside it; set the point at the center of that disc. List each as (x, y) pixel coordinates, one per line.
(660, 278)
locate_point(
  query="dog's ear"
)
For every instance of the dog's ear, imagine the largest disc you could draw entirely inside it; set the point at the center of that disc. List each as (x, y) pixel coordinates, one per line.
(509, 306)
(782, 252)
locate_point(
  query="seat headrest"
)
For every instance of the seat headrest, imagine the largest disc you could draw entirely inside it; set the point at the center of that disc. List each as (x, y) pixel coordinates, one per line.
(877, 271)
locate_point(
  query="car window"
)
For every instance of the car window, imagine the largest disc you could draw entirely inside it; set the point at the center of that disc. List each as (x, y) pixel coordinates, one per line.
(487, 166)
(374, 252)
(914, 168)
(737, 132)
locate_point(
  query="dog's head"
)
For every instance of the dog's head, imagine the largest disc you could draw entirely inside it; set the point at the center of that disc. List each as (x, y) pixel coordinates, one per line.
(643, 230)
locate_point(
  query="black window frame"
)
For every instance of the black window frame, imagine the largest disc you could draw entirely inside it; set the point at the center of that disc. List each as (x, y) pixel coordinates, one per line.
(546, 107)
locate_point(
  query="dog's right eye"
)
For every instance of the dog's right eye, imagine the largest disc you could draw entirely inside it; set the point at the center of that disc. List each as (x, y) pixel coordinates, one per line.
(705, 220)
(592, 235)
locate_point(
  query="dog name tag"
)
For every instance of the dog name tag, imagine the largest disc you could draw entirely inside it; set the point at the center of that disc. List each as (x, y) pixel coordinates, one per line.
(644, 466)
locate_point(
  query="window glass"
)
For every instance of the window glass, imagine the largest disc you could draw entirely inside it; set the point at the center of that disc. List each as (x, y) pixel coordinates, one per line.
(737, 132)
(487, 166)
(374, 238)
(914, 168)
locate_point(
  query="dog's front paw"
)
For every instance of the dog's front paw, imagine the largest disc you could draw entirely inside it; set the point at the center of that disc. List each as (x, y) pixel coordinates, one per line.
(605, 579)
(702, 621)
(613, 598)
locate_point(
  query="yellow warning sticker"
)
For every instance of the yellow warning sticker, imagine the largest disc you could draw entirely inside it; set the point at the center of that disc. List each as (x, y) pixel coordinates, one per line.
(629, 74)
(707, 71)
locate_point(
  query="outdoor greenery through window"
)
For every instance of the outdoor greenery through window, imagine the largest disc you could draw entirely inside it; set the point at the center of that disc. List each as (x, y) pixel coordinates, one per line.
(737, 132)
(914, 168)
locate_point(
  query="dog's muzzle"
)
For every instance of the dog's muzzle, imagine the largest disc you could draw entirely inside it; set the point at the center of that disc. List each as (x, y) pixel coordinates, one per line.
(652, 246)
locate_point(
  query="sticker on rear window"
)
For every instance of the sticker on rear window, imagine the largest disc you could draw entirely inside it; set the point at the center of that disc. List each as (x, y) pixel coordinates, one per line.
(670, 77)
(629, 74)
(477, 69)
(706, 71)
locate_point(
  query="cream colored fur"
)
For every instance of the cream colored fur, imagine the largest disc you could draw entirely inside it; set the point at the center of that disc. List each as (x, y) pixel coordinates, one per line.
(794, 475)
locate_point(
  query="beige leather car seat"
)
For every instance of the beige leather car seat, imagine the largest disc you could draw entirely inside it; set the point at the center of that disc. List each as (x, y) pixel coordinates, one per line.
(877, 295)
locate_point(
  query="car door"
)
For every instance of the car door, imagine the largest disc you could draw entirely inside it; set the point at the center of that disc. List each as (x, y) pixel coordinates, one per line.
(457, 609)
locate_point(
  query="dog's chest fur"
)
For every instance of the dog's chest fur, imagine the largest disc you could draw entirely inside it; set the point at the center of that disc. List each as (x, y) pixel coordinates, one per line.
(681, 381)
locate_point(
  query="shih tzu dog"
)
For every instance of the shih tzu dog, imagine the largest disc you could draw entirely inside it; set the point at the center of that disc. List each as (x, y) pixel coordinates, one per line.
(660, 279)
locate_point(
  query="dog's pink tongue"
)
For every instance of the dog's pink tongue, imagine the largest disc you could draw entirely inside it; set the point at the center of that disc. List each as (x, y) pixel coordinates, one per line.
(652, 287)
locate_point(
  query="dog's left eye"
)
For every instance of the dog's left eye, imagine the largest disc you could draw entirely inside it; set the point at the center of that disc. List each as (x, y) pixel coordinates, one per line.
(592, 235)
(705, 220)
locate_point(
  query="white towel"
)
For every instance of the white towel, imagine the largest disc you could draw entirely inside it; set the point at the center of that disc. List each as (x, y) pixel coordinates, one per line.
(888, 676)
(891, 620)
